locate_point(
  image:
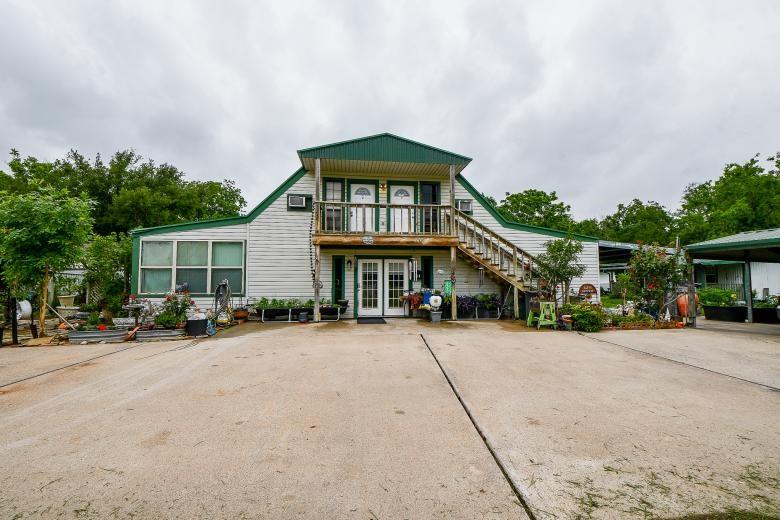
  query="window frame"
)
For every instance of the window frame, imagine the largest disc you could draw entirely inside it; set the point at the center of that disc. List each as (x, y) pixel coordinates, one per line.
(174, 265)
(471, 206)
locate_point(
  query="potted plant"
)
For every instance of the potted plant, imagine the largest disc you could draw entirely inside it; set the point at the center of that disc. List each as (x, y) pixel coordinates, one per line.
(174, 311)
(488, 306)
(721, 305)
(765, 311)
(67, 288)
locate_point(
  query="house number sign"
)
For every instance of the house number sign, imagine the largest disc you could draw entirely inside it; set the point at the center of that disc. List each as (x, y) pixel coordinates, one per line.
(368, 240)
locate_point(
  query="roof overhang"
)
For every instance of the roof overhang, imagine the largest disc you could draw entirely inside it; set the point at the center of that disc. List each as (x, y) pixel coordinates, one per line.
(755, 246)
(383, 154)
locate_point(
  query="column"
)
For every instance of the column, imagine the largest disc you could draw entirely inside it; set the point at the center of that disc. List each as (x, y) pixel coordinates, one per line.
(453, 257)
(316, 209)
(747, 283)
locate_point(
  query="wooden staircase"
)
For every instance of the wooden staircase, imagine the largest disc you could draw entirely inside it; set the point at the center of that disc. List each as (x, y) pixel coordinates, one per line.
(498, 256)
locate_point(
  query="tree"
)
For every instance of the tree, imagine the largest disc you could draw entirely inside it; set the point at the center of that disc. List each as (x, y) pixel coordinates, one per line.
(746, 197)
(128, 191)
(637, 221)
(652, 274)
(42, 232)
(107, 266)
(559, 264)
(537, 208)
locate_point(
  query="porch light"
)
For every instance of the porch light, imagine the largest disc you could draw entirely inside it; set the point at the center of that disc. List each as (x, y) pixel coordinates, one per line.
(382, 186)
(349, 264)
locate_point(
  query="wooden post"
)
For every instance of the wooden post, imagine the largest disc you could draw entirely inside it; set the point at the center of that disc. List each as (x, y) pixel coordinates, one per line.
(747, 283)
(691, 293)
(452, 199)
(452, 278)
(516, 303)
(316, 209)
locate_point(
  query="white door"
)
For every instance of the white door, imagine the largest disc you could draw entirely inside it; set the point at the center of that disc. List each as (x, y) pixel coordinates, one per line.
(396, 284)
(369, 288)
(402, 218)
(362, 219)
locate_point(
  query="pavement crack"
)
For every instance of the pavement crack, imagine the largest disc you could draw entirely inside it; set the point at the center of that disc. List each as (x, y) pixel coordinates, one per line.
(504, 470)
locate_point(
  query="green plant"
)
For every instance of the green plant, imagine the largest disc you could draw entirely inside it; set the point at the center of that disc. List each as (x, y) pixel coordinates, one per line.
(65, 285)
(166, 319)
(94, 319)
(652, 273)
(716, 297)
(770, 302)
(632, 320)
(41, 233)
(586, 317)
(558, 264)
(89, 307)
(177, 305)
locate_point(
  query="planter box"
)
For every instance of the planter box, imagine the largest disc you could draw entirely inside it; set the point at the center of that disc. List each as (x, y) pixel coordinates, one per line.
(66, 301)
(155, 334)
(272, 314)
(738, 314)
(96, 336)
(124, 322)
(196, 327)
(765, 315)
(487, 313)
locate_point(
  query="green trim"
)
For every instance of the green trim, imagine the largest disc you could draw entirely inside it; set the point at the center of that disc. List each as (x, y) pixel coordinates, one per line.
(136, 265)
(516, 225)
(343, 183)
(428, 270)
(384, 147)
(226, 221)
(375, 182)
(730, 246)
(333, 294)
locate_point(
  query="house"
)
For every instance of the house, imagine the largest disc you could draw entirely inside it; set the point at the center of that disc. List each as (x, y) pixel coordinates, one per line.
(728, 274)
(365, 220)
(613, 260)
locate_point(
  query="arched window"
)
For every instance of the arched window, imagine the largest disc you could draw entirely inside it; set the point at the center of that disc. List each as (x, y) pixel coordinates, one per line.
(402, 192)
(363, 192)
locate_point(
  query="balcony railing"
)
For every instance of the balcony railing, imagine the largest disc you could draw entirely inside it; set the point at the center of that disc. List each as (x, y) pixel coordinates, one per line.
(345, 218)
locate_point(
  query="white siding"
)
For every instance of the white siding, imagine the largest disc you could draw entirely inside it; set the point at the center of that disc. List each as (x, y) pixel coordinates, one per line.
(534, 243)
(765, 276)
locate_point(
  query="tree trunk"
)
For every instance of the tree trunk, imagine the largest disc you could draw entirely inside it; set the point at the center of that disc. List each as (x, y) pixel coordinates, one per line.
(43, 302)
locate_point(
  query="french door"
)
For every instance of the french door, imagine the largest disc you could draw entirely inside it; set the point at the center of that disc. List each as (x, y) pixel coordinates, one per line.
(381, 283)
(401, 218)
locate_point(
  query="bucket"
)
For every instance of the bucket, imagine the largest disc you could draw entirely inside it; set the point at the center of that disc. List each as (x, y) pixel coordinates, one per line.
(303, 317)
(435, 316)
(196, 327)
(23, 310)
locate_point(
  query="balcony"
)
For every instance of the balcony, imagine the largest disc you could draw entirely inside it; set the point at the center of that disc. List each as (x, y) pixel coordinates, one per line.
(378, 224)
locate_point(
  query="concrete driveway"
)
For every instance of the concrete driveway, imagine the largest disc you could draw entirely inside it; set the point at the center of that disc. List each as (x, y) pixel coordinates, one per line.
(359, 421)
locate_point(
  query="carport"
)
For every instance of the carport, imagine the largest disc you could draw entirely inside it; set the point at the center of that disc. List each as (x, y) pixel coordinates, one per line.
(751, 246)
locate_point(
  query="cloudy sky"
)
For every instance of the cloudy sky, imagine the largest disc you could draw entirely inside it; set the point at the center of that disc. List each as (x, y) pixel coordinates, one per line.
(601, 101)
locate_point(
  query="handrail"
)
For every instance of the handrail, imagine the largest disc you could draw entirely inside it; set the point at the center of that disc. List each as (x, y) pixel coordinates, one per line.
(384, 218)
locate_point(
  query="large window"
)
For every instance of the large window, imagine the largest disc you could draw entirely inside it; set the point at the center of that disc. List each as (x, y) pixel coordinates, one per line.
(195, 265)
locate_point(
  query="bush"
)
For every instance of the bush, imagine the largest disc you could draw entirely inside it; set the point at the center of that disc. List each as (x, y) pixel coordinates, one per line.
(166, 320)
(632, 320)
(586, 317)
(768, 303)
(715, 297)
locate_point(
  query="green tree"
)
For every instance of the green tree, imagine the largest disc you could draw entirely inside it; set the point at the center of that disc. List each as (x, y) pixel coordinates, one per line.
(537, 208)
(41, 232)
(746, 197)
(128, 191)
(638, 221)
(107, 264)
(652, 274)
(559, 264)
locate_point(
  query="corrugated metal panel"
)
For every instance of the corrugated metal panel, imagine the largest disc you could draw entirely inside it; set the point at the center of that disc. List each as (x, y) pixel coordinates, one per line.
(758, 238)
(384, 147)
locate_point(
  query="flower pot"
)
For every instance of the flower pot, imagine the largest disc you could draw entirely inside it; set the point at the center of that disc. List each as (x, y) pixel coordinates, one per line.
(765, 315)
(738, 314)
(483, 313)
(66, 301)
(196, 327)
(240, 314)
(435, 316)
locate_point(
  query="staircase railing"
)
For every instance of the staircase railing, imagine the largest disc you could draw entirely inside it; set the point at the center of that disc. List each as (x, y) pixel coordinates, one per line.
(507, 259)
(382, 218)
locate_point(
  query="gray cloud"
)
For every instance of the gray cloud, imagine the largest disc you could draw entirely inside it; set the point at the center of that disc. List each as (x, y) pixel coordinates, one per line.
(600, 101)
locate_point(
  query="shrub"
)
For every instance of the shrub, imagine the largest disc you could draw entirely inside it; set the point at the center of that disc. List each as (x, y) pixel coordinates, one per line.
(715, 297)
(632, 320)
(166, 319)
(770, 302)
(586, 317)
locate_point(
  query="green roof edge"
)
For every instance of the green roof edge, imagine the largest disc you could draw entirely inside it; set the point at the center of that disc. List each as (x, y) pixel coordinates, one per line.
(517, 225)
(225, 221)
(366, 138)
(725, 246)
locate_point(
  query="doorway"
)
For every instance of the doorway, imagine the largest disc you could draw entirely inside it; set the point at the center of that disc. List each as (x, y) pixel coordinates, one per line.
(380, 286)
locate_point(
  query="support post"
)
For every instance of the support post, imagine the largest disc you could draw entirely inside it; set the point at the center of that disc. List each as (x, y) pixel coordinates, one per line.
(452, 200)
(747, 283)
(691, 294)
(316, 209)
(317, 283)
(516, 302)
(454, 297)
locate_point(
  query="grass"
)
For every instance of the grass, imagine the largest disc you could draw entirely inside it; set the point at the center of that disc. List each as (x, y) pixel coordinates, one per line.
(610, 301)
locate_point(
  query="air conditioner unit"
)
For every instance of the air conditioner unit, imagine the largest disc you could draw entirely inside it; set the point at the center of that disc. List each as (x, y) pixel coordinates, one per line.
(464, 206)
(296, 201)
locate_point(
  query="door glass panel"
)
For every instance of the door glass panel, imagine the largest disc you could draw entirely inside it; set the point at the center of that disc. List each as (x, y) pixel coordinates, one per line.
(369, 285)
(395, 284)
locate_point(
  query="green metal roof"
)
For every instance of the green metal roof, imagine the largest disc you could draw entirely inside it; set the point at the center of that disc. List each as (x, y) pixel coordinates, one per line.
(762, 245)
(384, 148)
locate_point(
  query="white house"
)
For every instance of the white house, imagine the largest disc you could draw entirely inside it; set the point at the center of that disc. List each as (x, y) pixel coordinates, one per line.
(365, 220)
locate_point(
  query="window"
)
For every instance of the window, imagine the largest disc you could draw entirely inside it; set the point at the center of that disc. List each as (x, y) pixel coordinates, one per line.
(193, 265)
(710, 274)
(334, 192)
(464, 205)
